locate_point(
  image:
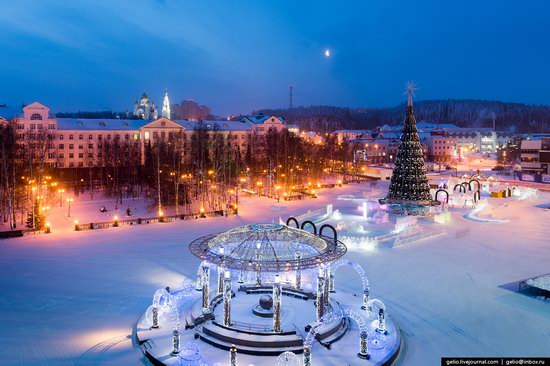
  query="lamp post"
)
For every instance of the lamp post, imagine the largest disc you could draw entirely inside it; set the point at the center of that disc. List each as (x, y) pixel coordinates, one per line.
(60, 190)
(277, 290)
(69, 200)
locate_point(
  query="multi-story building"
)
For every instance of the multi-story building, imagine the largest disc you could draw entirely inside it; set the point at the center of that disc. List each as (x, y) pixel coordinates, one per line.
(190, 110)
(535, 159)
(75, 142)
(441, 146)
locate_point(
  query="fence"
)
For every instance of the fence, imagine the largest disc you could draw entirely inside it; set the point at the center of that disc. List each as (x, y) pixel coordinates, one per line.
(152, 220)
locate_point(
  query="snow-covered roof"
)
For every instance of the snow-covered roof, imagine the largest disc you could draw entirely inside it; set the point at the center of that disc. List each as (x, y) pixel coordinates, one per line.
(221, 125)
(256, 119)
(100, 124)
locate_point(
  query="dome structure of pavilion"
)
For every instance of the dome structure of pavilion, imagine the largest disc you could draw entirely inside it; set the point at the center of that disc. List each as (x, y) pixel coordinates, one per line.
(269, 247)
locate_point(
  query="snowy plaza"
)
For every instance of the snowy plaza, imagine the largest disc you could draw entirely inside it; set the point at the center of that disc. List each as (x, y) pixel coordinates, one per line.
(450, 294)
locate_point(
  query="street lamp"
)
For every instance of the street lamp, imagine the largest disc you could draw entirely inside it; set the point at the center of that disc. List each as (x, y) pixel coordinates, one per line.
(60, 190)
(69, 200)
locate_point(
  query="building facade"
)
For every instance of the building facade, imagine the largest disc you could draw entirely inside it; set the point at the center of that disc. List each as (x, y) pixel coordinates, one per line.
(75, 142)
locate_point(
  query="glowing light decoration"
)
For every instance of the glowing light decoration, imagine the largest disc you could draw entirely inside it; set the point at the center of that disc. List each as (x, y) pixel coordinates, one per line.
(205, 288)
(277, 291)
(298, 279)
(233, 356)
(288, 359)
(227, 299)
(327, 53)
(333, 316)
(360, 271)
(320, 296)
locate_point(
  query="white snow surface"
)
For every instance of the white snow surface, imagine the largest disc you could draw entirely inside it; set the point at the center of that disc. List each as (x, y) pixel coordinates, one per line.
(73, 298)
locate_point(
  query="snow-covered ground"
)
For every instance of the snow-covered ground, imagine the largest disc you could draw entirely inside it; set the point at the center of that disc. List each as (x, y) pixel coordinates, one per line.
(72, 298)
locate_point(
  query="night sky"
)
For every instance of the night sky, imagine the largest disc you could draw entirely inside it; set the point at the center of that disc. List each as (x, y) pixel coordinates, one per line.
(236, 56)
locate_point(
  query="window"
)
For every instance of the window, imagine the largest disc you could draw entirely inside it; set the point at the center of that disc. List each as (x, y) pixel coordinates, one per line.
(36, 117)
(20, 127)
(71, 146)
(71, 165)
(80, 164)
(135, 136)
(71, 155)
(155, 135)
(61, 137)
(117, 136)
(99, 137)
(146, 135)
(80, 155)
(90, 137)
(80, 147)
(71, 137)
(40, 126)
(108, 137)
(90, 146)
(51, 155)
(127, 137)
(90, 155)
(162, 135)
(61, 155)
(81, 137)
(51, 126)
(33, 126)
(60, 165)
(61, 146)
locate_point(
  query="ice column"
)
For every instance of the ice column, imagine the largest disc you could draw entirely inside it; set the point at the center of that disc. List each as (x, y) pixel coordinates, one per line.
(331, 280)
(258, 265)
(320, 296)
(298, 283)
(155, 318)
(363, 346)
(221, 272)
(233, 356)
(366, 296)
(176, 342)
(241, 277)
(307, 356)
(365, 210)
(381, 322)
(277, 289)
(227, 299)
(205, 285)
(327, 285)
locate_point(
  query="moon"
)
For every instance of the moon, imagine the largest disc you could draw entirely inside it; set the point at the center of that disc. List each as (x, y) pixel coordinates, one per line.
(327, 53)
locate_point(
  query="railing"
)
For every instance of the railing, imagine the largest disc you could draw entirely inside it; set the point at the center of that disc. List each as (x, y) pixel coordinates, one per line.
(152, 220)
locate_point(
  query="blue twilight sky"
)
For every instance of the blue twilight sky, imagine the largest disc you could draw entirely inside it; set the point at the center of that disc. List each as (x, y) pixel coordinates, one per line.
(236, 56)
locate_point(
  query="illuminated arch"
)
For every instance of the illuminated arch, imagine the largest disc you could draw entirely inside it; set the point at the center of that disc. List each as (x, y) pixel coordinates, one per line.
(446, 195)
(311, 224)
(477, 181)
(169, 303)
(292, 219)
(327, 226)
(355, 266)
(477, 195)
(460, 188)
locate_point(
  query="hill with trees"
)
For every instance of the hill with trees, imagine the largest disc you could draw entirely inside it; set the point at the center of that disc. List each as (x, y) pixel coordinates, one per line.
(515, 117)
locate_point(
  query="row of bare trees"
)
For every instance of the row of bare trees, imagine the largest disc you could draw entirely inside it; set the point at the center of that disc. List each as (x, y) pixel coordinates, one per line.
(204, 172)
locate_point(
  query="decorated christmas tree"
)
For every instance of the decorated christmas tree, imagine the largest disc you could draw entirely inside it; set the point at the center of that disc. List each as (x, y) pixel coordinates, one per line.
(409, 184)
